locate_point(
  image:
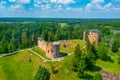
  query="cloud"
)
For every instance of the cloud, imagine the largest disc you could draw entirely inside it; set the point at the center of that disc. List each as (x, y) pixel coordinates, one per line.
(52, 4)
(74, 9)
(98, 5)
(16, 6)
(97, 1)
(62, 1)
(46, 6)
(21, 1)
(2, 4)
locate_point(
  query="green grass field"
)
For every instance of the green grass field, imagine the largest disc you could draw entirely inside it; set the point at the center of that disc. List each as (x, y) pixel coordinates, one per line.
(40, 52)
(19, 67)
(70, 45)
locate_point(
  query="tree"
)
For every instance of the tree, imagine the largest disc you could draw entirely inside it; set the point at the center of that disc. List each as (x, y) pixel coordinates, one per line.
(76, 58)
(3, 45)
(105, 30)
(119, 56)
(116, 45)
(50, 36)
(81, 68)
(24, 39)
(102, 53)
(42, 74)
(97, 77)
(57, 34)
(90, 60)
(12, 45)
(89, 45)
(33, 39)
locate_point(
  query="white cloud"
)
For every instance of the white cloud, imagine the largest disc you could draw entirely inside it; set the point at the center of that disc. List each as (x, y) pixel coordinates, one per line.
(12, 0)
(2, 4)
(97, 1)
(62, 1)
(15, 7)
(74, 9)
(108, 5)
(52, 4)
(46, 6)
(97, 5)
(116, 9)
(21, 1)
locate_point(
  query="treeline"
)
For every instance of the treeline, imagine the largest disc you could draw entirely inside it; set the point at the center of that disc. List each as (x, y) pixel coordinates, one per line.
(18, 35)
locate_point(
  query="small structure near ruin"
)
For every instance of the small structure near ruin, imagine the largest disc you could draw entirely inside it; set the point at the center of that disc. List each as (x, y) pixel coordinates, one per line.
(94, 36)
(109, 76)
(52, 49)
(84, 36)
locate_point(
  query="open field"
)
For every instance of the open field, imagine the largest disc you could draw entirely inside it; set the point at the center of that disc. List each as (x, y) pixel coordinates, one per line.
(23, 65)
(19, 67)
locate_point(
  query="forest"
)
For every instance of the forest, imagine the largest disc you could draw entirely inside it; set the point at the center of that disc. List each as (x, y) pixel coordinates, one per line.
(18, 34)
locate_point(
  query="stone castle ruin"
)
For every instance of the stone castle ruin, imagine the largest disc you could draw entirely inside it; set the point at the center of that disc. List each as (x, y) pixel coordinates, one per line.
(52, 49)
(109, 76)
(94, 36)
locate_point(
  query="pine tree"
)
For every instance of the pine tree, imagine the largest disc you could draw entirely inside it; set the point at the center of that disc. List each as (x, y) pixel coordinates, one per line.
(76, 58)
(12, 45)
(24, 39)
(97, 77)
(42, 74)
(81, 68)
(3, 45)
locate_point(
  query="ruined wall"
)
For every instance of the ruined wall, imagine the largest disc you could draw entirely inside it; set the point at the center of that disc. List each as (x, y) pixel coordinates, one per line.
(52, 49)
(109, 76)
(93, 36)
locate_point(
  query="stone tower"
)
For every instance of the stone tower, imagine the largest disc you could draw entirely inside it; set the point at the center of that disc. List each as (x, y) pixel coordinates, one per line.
(52, 49)
(84, 36)
(94, 36)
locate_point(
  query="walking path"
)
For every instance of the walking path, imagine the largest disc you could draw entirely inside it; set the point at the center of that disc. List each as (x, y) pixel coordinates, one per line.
(44, 60)
(8, 54)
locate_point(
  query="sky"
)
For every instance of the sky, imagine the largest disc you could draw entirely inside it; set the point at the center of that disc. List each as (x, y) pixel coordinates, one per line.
(60, 8)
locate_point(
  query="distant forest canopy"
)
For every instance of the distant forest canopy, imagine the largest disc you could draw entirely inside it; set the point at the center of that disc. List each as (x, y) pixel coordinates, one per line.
(16, 34)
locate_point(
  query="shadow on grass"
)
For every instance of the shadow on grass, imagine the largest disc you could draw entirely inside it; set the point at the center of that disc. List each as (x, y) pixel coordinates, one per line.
(63, 54)
(87, 77)
(55, 72)
(108, 58)
(96, 68)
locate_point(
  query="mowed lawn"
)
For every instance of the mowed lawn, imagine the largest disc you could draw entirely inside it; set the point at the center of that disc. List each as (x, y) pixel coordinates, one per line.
(70, 45)
(40, 52)
(19, 67)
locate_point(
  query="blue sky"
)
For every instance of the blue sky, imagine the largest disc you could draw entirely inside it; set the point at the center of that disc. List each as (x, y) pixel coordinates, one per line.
(60, 8)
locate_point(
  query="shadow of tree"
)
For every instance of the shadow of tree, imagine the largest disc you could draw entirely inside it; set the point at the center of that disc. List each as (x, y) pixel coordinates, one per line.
(55, 72)
(87, 77)
(108, 58)
(96, 68)
(63, 54)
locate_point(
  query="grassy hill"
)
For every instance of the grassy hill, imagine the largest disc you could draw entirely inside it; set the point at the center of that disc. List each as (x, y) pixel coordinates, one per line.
(23, 65)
